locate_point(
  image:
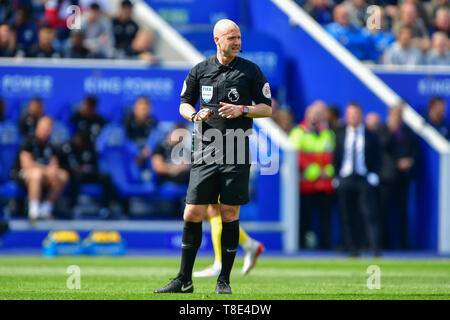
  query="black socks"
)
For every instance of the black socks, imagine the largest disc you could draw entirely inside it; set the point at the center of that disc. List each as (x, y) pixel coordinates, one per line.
(192, 239)
(230, 242)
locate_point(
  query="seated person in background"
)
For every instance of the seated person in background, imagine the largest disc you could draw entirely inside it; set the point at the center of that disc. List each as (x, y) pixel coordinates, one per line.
(124, 28)
(37, 167)
(173, 167)
(357, 10)
(80, 158)
(8, 46)
(436, 116)
(44, 48)
(442, 20)
(24, 27)
(141, 47)
(320, 10)
(380, 35)
(409, 17)
(403, 51)
(353, 38)
(77, 49)
(59, 17)
(28, 121)
(98, 32)
(87, 119)
(138, 126)
(439, 54)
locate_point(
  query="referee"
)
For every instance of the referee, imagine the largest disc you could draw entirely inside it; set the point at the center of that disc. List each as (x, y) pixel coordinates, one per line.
(232, 91)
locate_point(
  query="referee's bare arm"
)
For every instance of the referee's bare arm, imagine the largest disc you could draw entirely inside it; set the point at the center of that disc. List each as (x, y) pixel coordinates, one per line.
(260, 110)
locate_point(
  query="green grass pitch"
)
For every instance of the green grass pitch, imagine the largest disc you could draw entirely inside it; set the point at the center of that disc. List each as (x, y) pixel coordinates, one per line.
(272, 279)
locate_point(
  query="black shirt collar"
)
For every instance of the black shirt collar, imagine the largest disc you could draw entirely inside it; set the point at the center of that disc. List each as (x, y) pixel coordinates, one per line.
(231, 65)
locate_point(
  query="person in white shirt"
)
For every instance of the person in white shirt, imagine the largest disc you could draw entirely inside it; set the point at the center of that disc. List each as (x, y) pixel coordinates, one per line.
(439, 54)
(403, 51)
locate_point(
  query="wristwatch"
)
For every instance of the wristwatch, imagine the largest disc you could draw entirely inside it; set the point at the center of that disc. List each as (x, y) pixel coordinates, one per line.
(244, 110)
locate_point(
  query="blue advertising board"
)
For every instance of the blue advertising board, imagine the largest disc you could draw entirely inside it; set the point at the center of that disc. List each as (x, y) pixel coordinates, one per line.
(416, 88)
(62, 89)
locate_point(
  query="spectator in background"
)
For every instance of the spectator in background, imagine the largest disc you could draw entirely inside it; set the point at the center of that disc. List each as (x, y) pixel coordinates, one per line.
(381, 37)
(403, 51)
(435, 5)
(28, 121)
(103, 4)
(400, 157)
(87, 119)
(334, 117)
(8, 46)
(354, 38)
(373, 122)
(25, 29)
(439, 54)
(80, 159)
(421, 11)
(76, 48)
(320, 10)
(6, 10)
(56, 14)
(284, 119)
(442, 21)
(37, 167)
(99, 36)
(357, 10)
(356, 161)
(408, 17)
(138, 126)
(141, 47)
(170, 168)
(125, 28)
(44, 48)
(315, 142)
(436, 116)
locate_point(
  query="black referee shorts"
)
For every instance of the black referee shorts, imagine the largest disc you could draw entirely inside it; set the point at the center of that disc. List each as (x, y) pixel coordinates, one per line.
(209, 181)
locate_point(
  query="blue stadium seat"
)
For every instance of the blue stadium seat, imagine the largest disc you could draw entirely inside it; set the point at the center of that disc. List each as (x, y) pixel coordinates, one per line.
(60, 134)
(116, 158)
(91, 189)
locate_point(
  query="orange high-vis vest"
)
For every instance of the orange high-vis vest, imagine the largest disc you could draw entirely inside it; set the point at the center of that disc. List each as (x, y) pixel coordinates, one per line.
(315, 157)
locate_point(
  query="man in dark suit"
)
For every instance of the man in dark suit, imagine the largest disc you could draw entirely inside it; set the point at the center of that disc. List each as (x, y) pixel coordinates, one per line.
(400, 157)
(356, 163)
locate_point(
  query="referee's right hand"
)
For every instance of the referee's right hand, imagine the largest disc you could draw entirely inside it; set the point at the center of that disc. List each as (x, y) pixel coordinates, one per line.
(203, 115)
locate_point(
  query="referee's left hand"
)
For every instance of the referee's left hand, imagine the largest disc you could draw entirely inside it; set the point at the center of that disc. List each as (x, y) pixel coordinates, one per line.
(229, 111)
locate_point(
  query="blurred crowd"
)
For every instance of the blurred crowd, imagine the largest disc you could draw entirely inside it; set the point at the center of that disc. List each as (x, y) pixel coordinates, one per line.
(359, 165)
(405, 32)
(49, 29)
(48, 169)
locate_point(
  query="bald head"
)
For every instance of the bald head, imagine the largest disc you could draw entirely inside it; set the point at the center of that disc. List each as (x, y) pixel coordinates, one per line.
(223, 26)
(227, 37)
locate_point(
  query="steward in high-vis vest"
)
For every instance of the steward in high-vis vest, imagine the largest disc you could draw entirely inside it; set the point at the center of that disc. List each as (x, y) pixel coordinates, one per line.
(315, 145)
(315, 142)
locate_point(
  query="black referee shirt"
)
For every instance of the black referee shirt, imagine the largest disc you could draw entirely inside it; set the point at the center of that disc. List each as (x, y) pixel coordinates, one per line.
(241, 82)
